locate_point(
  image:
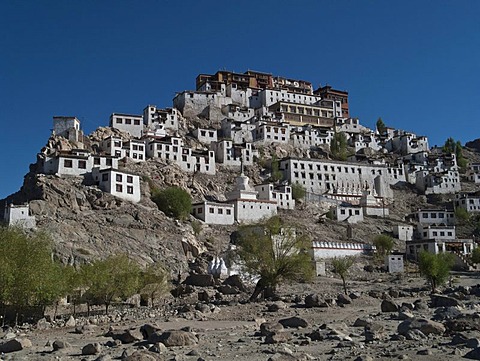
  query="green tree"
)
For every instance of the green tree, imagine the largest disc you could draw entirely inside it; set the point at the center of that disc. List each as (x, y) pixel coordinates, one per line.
(173, 201)
(461, 215)
(476, 255)
(338, 146)
(28, 275)
(455, 147)
(275, 253)
(341, 267)
(155, 282)
(381, 127)
(384, 244)
(298, 191)
(435, 267)
(276, 174)
(113, 279)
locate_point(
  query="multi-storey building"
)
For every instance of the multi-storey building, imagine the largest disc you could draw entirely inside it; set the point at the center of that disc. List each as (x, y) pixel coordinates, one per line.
(130, 123)
(469, 202)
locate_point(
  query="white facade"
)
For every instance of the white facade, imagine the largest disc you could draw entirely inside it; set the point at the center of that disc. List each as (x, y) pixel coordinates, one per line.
(119, 184)
(473, 173)
(18, 216)
(238, 113)
(214, 212)
(394, 263)
(435, 216)
(230, 154)
(468, 202)
(282, 195)
(405, 143)
(67, 127)
(238, 132)
(205, 136)
(441, 232)
(402, 232)
(309, 137)
(320, 176)
(154, 117)
(130, 123)
(171, 148)
(438, 183)
(76, 164)
(134, 150)
(267, 133)
(248, 208)
(459, 246)
(347, 212)
(198, 103)
(328, 250)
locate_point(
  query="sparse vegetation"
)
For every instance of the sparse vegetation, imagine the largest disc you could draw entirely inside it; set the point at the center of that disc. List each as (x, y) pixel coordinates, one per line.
(338, 146)
(455, 147)
(196, 227)
(461, 216)
(475, 258)
(435, 267)
(341, 267)
(381, 127)
(276, 174)
(154, 280)
(173, 201)
(298, 191)
(384, 244)
(274, 252)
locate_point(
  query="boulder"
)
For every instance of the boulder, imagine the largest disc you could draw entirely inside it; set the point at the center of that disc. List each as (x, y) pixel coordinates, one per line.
(276, 306)
(59, 345)
(343, 299)
(278, 337)
(235, 281)
(71, 322)
(389, 306)
(228, 290)
(15, 344)
(474, 354)
(174, 338)
(147, 329)
(313, 300)
(374, 332)
(126, 336)
(92, 349)
(362, 322)
(444, 301)
(293, 322)
(268, 328)
(425, 326)
(144, 356)
(200, 280)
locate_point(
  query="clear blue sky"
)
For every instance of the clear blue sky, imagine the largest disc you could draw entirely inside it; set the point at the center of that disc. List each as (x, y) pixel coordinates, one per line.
(414, 63)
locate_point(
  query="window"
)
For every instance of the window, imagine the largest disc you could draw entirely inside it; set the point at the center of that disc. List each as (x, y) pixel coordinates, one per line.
(108, 161)
(96, 161)
(118, 120)
(211, 210)
(129, 189)
(220, 211)
(118, 177)
(136, 122)
(200, 210)
(229, 212)
(129, 179)
(82, 164)
(105, 177)
(119, 188)
(67, 163)
(128, 121)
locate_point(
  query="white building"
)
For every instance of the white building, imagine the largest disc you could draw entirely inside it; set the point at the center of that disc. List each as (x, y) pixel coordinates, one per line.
(404, 143)
(469, 202)
(230, 154)
(67, 127)
(248, 208)
(75, 163)
(434, 216)
(130, 123)
(327, 250)
(238, 132)
(473, 173)
(437, 232)
(171, 148)
(18, 216)
(270, 132)
(403, 232)
(154, 117)
(214, 212)
(310, 137)
(238, 113)
(347, 212)
(205, 136)
(440, 175)
(281, 194)
(458, 246)
(119, 184)
(320, 176)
